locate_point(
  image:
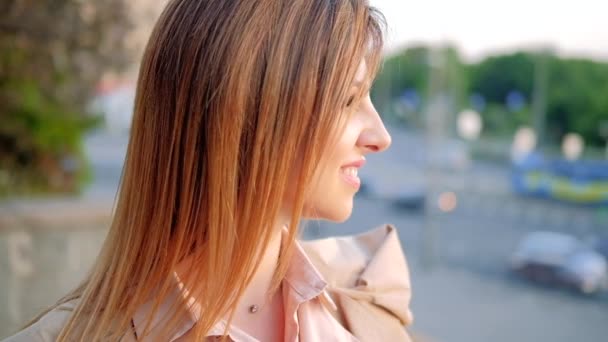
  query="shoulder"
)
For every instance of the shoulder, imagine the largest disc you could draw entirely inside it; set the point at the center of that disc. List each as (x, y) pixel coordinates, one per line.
(368, 276)
(48, 327)
(372, 260)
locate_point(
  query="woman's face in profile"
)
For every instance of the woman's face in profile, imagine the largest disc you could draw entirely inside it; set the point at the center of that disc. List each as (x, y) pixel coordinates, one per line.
(336, 181)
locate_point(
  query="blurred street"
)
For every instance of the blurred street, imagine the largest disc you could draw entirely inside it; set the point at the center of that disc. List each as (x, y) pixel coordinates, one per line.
(468, 294)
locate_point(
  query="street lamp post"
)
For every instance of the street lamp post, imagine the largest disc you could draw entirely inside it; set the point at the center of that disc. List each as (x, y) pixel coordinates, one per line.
(603, 130)
(469, 126)
(539, 98)
(436, 113)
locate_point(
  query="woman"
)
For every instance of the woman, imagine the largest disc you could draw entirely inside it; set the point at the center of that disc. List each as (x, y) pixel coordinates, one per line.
(249, 115)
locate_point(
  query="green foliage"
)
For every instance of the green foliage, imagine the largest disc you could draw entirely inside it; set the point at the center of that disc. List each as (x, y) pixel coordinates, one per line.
(52, 55)
(577, 100)
(405, 70)
(409, 70)
(496, 76)
(576, 89)
(41, 145)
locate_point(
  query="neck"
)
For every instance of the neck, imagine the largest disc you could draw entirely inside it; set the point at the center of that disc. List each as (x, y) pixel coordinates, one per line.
(258, 290)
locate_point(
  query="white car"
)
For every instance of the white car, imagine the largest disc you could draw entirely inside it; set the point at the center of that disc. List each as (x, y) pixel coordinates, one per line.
(560, 259)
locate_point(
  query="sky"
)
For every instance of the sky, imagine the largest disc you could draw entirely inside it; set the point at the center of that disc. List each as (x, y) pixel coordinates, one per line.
(572, 28)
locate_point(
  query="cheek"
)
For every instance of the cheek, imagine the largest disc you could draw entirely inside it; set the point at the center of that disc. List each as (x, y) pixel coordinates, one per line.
(330, 197)
(314, 188)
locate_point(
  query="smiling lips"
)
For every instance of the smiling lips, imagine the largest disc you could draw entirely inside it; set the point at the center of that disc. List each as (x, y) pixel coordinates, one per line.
(350, 172)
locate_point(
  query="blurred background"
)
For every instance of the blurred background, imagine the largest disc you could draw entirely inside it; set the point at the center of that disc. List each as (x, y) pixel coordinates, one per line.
(497, 179)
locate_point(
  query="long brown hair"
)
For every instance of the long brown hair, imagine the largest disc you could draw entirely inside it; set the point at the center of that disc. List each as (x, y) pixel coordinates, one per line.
(231, 95)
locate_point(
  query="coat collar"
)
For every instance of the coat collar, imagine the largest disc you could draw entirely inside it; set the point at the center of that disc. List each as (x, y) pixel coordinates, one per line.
(303, 281)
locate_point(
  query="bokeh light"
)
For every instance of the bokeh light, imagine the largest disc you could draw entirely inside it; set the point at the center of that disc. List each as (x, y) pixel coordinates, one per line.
(447, 202)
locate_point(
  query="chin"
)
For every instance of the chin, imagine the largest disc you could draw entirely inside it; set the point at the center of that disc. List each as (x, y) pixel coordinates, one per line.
(340, 219)
(337, 214)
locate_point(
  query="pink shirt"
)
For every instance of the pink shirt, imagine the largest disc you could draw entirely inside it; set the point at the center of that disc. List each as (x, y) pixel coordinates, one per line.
(307, 308)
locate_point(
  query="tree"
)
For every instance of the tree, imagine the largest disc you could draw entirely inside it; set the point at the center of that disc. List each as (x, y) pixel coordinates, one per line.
(576, 89)
(577, 99)
(52, 54)
(496, 76)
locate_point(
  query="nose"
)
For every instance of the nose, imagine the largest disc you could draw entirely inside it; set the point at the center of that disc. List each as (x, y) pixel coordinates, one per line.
(374, 137)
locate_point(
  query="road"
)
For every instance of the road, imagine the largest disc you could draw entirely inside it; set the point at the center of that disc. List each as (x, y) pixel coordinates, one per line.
(469, 295)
